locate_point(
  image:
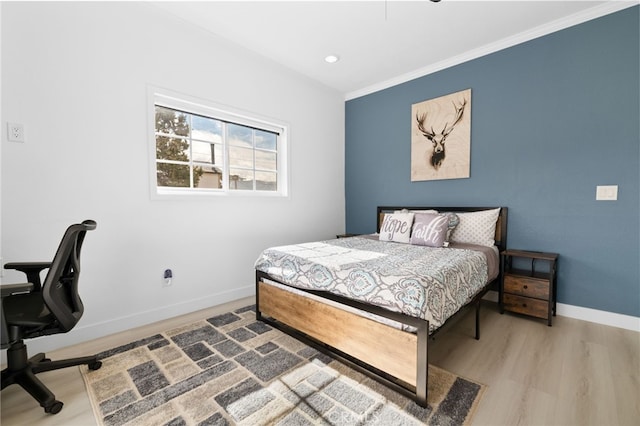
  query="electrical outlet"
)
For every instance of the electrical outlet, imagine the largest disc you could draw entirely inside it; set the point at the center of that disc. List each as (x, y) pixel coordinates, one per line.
(168, 278)
(15, 132)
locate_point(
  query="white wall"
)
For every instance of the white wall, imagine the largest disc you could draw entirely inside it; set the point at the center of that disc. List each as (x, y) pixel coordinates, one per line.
(76, 75)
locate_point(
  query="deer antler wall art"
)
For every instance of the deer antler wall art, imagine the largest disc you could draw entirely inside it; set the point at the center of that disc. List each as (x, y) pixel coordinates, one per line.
(441, 137)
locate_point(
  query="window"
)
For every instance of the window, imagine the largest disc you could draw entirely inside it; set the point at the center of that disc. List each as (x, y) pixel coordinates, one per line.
(203, 149)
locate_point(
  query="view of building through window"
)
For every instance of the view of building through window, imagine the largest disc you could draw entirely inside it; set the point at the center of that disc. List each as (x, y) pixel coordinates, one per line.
(199, 152)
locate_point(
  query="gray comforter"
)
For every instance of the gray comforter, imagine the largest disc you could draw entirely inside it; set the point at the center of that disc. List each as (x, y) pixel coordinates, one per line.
(424, 282)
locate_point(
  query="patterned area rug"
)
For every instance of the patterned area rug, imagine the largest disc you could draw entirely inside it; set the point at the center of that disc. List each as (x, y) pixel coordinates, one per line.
(231, 369)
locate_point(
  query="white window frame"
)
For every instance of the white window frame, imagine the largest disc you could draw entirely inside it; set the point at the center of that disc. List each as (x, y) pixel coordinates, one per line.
(166, 98)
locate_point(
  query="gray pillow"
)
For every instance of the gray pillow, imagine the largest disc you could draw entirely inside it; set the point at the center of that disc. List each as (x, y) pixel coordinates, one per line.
(430, 229)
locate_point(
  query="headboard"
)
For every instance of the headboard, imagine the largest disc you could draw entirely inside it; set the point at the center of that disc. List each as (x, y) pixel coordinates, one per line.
(501, 224)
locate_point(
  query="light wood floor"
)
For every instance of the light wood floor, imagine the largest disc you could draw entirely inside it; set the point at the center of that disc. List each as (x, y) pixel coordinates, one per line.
(574, 373)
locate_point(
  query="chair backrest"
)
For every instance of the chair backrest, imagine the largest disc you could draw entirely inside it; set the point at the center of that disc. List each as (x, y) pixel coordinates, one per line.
(60, 286)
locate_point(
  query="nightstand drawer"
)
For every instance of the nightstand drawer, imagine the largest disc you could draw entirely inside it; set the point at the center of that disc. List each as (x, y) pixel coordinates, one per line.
(526, 286)
(525, 305)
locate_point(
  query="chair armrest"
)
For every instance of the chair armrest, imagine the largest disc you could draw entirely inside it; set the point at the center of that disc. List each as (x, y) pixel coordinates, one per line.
(9, 289)
(31, 269)
(27, 267)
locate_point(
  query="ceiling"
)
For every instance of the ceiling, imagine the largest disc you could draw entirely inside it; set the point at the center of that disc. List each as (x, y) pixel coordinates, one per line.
(382, 43)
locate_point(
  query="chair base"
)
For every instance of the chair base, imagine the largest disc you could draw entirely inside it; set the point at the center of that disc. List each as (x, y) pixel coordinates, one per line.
(22, 371)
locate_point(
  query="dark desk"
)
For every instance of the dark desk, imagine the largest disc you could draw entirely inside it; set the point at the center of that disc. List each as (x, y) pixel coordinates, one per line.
(8, 290)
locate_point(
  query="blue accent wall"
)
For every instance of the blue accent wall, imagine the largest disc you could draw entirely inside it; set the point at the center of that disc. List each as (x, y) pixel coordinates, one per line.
(552, 118)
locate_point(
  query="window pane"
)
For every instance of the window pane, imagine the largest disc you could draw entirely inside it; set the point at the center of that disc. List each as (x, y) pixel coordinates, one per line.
(196, 150)
(241, 179)
(204, 152)
(240, 135)
(265, 140)
(173, 175)
(207, 177)
(266, 160)
(266, 181)
(206, 129)
(240, 157)
(172, 149)
(170, 121)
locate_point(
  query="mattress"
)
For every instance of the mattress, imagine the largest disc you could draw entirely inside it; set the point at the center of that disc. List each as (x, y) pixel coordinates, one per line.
(423, 282)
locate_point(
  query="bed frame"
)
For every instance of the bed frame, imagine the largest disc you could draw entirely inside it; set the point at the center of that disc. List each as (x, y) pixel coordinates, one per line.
(392, 356)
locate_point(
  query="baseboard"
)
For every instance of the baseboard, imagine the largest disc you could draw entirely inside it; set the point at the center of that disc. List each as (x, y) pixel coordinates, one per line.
(89, 332)
(85, 333)
(116, 325)
(612, 319)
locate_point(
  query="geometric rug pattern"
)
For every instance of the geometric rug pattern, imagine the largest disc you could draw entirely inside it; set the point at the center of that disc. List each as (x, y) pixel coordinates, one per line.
(231, 369)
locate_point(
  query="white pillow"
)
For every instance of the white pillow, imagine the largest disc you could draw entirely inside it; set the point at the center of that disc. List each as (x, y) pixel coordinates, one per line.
(396, 227)
(416, 211)
(476, 227)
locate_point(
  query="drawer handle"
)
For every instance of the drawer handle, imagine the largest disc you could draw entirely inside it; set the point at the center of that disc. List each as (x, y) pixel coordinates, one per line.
(525, 287)
(524, 305)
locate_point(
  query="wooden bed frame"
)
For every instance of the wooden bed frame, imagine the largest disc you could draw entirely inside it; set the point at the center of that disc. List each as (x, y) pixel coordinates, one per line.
(388, 354)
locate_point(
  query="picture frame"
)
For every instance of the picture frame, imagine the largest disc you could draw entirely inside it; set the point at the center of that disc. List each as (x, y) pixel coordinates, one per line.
(441, 137)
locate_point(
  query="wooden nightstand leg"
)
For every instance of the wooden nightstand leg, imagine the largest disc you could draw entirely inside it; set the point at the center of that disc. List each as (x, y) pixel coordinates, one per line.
(552, 291)
(555, 286)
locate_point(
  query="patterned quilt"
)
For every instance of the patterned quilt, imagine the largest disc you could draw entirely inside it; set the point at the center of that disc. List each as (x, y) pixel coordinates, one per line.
(424, 282)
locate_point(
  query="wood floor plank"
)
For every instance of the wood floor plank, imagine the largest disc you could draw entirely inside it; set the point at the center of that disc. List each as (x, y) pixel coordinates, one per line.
(574, 373)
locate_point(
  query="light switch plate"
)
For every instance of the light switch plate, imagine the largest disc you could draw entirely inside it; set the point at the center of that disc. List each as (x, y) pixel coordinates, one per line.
(607, 192)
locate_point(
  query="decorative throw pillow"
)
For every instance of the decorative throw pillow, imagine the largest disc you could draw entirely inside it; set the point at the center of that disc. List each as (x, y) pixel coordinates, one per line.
(454, 220)
(415, 211)
(476, 228)
(396, 227)
(430, 229)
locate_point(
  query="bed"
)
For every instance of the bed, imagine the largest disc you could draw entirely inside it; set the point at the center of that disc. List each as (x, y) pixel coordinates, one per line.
(373, 301)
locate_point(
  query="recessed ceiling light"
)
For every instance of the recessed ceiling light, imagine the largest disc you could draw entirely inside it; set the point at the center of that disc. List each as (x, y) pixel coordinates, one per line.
(332, 59)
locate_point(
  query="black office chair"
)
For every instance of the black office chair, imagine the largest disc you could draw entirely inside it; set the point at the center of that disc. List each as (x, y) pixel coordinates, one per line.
(32, 310)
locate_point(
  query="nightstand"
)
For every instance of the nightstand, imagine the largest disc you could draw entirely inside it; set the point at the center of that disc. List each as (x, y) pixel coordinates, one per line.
(525, 290)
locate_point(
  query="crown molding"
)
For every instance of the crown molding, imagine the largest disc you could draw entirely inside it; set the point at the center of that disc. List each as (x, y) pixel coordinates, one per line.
(537, 32)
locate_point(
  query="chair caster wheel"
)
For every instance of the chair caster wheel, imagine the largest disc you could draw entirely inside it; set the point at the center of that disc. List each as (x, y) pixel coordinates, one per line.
(95, 365)
(54, 407)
